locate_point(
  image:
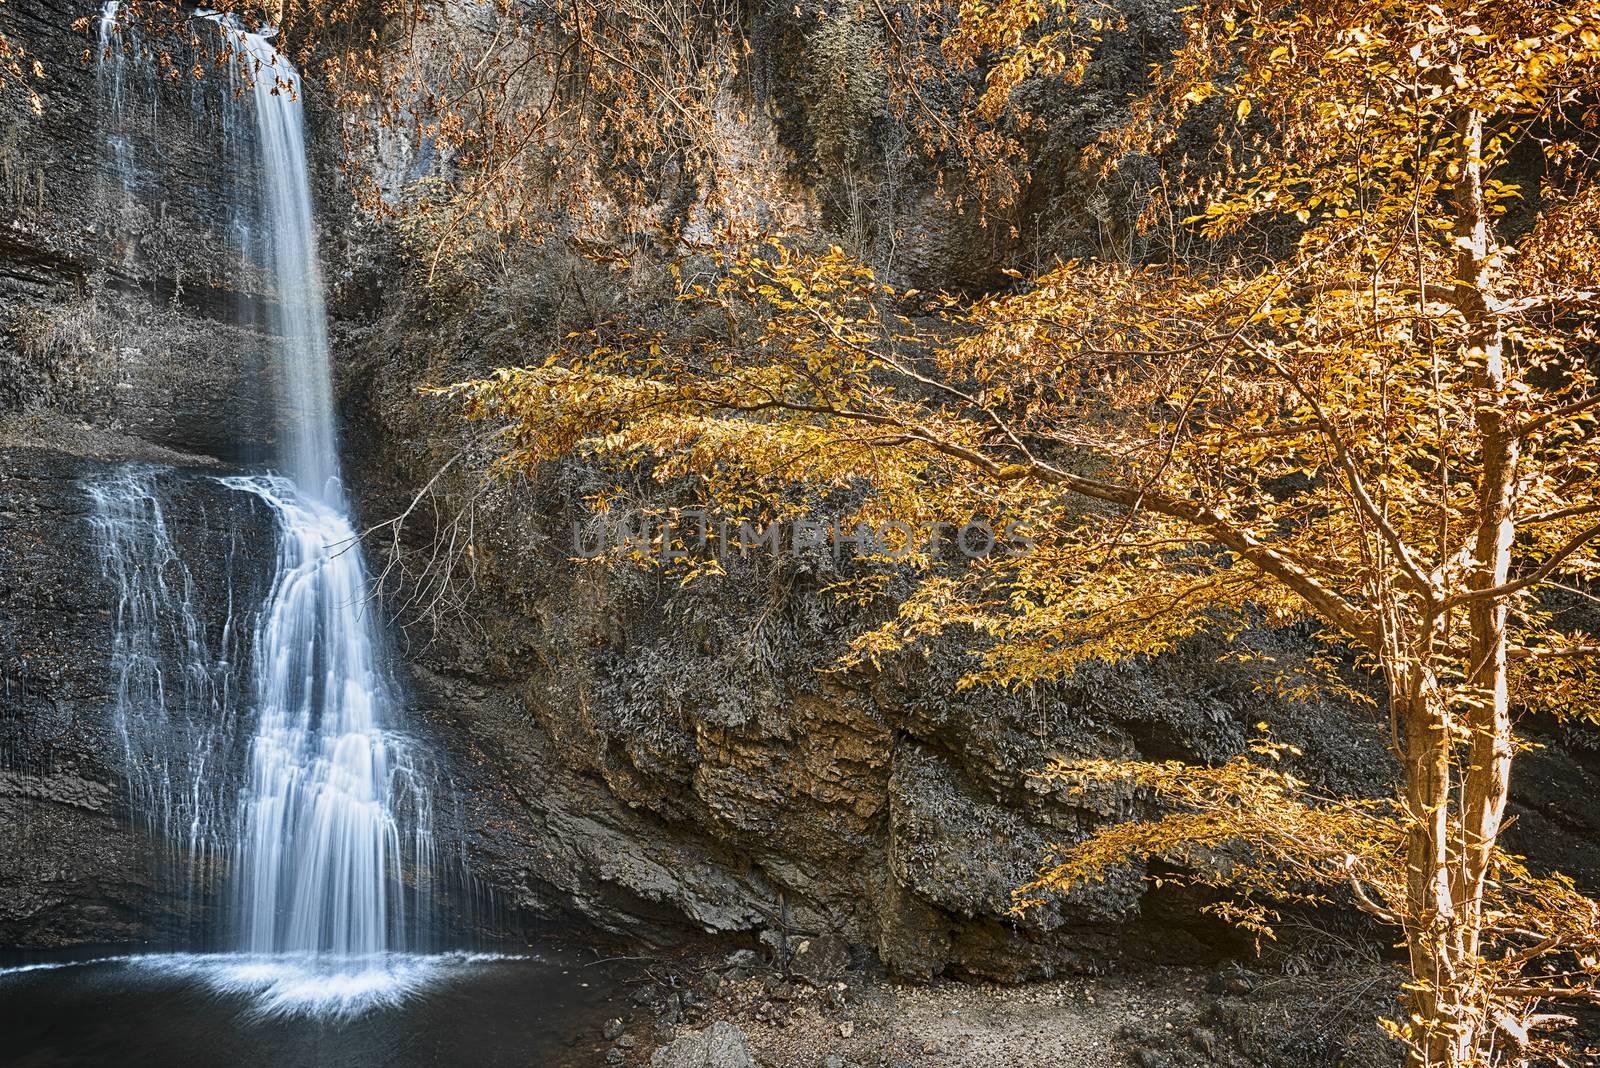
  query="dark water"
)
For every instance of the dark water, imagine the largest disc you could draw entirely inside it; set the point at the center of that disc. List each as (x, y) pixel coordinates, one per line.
(181, 1010)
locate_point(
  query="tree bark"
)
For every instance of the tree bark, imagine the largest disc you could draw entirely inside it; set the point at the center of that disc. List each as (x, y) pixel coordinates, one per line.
(1488, 773)
(1433, 927)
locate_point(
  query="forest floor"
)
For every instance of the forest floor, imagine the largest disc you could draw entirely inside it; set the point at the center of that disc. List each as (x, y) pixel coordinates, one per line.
(1148, 1018)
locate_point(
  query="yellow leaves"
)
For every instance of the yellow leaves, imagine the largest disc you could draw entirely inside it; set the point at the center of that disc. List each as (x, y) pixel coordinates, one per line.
(1236, 825)
(1287, 400)
(1252, 918)
(1270, 839)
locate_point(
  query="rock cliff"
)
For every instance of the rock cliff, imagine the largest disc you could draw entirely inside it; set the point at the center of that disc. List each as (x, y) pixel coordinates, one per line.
(668, 761)
(126, 336)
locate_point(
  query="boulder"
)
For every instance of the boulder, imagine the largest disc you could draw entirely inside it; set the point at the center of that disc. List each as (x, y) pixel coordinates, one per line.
(820, 960)
(722, 1045)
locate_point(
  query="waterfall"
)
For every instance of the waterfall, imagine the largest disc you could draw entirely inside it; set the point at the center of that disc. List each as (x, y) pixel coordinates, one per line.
(298, 316)
(320, 848)
(116, 54)
(329, 837)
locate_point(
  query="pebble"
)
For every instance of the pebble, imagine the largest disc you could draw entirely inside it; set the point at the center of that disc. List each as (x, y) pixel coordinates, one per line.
(1234, 980)
(742, 960)
(612, 1029)
(847, 1029)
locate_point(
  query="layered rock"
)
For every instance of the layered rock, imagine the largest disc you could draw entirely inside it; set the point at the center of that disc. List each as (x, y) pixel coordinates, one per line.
(666, 759)
(78, 862)
(128, 305)
(126, 336)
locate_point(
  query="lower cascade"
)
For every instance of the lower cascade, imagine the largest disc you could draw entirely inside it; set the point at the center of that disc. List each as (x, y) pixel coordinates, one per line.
(177, 696)
(334, 812)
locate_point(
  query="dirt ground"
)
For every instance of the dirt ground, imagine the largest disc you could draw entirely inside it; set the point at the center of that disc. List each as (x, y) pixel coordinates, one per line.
(1149, 1018)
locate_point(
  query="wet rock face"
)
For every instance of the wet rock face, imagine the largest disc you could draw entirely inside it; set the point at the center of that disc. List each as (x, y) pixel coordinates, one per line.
(128, 332)
(76, 865)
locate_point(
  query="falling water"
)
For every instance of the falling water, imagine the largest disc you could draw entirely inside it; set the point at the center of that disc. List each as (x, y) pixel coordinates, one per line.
(321, 848)
(299, 316)
(176, 705)
(118, 52)
(321, 855)
(331, 846)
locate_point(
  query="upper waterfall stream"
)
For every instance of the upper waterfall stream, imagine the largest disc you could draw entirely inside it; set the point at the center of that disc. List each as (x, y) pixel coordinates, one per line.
(307, 452)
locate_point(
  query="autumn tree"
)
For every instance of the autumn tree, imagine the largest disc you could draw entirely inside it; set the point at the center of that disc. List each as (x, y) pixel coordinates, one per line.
(1364, 399)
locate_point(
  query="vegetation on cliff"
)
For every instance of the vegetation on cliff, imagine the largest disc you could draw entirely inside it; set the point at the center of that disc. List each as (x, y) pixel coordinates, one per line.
(1359, 393)
(19, 71)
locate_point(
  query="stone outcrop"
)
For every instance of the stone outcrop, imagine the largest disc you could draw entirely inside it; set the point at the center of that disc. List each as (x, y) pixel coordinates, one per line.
(721, 1045)
(668, 760)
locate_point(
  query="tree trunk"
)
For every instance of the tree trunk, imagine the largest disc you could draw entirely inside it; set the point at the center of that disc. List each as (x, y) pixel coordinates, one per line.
(1488, 773)
(1457, 811)
(1447, 1032)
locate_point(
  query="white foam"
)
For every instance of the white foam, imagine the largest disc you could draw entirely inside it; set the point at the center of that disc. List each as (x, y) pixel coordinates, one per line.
(290, 985)
(55, 965)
